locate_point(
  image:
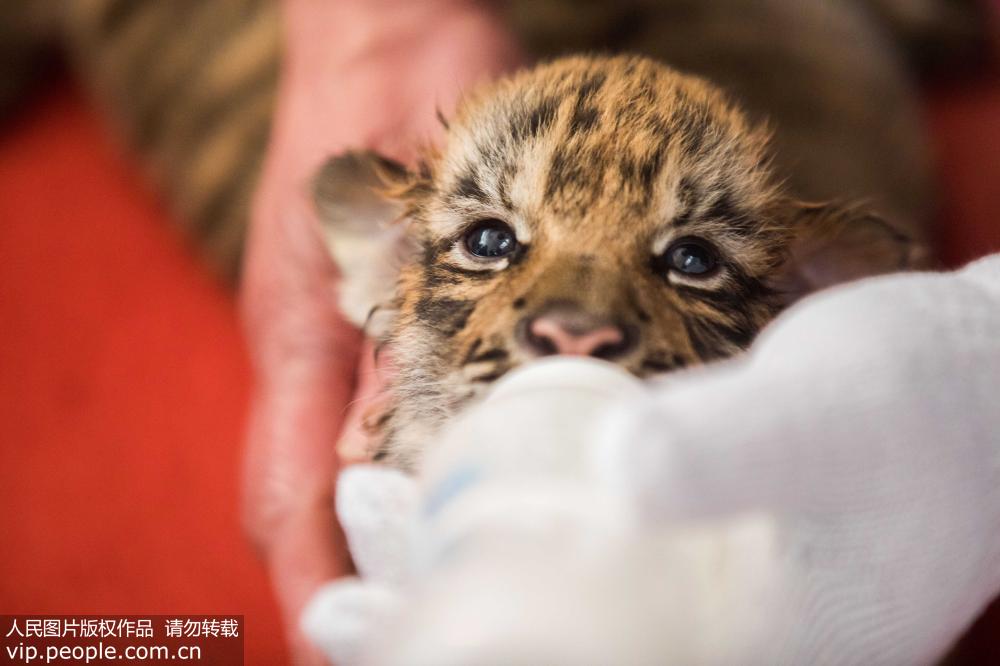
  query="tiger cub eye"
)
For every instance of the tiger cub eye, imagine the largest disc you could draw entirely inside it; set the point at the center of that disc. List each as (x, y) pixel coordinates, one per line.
(692, 257)
(491, 239)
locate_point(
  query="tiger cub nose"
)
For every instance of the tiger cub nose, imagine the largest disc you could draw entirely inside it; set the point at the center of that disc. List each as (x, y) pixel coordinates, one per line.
(574, 334)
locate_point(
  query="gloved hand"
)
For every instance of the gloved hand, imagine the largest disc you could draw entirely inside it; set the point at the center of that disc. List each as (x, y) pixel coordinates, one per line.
(833, 496)
(866, 422)
(377, 508)
(402, 529)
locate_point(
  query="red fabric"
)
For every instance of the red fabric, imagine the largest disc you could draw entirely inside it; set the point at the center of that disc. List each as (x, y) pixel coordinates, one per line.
(965, 130)
(123, 382)
(123, 390)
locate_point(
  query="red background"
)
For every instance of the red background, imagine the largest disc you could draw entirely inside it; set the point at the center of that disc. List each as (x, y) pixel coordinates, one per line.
(124, 382)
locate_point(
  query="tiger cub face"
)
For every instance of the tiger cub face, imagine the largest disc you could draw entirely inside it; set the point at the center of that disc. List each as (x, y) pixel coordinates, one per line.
(605, 207)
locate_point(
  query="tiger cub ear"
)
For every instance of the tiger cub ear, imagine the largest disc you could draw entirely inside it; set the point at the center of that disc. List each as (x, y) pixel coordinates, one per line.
(366, 233)
(833, 243)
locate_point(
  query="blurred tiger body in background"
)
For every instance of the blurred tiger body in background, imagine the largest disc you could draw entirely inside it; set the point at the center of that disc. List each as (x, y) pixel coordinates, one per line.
(189, 85)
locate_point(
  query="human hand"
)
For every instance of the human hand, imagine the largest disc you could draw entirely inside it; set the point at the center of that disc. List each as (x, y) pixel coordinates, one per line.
(358, 74)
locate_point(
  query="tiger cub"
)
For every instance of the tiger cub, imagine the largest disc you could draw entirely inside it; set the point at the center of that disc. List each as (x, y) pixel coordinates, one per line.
(597, 206)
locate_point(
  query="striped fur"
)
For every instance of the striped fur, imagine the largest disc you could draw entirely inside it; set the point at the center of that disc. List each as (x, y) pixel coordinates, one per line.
(190, 84)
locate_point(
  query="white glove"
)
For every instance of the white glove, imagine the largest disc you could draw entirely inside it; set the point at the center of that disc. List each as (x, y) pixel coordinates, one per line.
(867, 422)
(832, 497)
(400, 530)
(376, 507)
